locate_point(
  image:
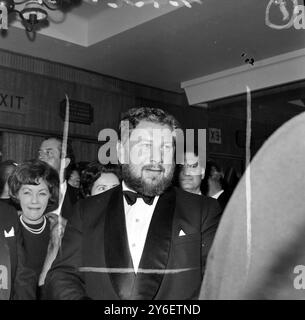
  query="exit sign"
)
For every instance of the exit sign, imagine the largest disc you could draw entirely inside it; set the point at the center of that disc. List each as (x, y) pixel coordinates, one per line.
(215, 135)
(12, 102)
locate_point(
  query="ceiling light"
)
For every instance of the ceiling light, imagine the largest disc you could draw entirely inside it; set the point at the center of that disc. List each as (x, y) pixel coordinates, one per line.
(186, 3)
(113, 5)
(33, 13)
(174, 3)
(139, 4)
(156, 5)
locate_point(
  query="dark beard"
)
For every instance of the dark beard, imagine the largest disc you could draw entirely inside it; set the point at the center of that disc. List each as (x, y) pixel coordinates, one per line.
(137, 184)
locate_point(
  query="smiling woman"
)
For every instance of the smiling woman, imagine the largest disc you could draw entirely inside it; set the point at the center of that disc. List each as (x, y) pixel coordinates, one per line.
(34, 185)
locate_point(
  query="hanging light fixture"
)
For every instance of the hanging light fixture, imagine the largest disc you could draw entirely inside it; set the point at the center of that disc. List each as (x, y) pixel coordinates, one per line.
(34, 13)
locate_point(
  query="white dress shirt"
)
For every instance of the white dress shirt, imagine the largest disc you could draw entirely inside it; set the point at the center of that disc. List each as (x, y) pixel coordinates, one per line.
(138, 217)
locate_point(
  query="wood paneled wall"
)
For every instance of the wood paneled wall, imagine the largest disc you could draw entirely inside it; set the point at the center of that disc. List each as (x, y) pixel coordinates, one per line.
(42, 86)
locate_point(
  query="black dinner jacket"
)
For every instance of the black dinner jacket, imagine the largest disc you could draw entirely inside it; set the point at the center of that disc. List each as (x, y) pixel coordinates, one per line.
(71, 197)
(224, 198)
(96, 237)
(22, 280)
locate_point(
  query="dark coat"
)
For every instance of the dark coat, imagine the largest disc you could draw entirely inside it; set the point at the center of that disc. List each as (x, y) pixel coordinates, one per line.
(96, 237)
(71, 197)
(21, 281)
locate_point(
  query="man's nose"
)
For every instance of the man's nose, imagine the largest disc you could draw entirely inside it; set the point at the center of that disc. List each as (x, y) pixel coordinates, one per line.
(187, 171)
(157, 155)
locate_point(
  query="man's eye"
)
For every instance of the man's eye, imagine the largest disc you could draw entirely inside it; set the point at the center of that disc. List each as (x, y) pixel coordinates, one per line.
(146, 145)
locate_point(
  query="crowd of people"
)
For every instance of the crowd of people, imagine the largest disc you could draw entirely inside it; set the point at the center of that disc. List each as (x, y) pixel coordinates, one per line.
(138, 230)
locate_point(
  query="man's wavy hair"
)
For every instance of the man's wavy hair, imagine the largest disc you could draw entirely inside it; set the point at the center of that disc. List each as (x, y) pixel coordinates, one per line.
(31, 172)
(69, 151)
(135, 115)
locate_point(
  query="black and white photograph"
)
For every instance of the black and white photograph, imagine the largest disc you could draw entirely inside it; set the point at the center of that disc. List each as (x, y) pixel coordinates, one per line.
(152, 150)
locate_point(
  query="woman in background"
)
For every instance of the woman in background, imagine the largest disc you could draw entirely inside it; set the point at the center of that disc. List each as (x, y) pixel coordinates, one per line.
(98, 178)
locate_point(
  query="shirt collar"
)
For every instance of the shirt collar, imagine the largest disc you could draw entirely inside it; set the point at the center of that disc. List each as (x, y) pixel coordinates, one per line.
(125, 188)
(216, 195)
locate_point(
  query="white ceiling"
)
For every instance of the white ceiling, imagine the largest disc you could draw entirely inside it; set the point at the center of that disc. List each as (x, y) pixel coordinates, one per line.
(157, 47)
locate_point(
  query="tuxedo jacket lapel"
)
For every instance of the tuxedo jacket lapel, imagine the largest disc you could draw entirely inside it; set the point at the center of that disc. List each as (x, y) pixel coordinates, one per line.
(116, 247)
(157, 248)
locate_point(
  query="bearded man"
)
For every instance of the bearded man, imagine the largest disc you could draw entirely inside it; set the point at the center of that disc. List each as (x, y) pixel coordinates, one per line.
(141, 240)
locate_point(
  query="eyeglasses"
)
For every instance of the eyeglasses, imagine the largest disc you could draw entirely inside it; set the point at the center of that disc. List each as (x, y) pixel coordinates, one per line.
(191, 169)
(191, 166)
(46, 154)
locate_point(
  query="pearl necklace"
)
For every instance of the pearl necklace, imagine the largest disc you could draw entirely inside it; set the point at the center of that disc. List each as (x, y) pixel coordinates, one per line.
(32, 230)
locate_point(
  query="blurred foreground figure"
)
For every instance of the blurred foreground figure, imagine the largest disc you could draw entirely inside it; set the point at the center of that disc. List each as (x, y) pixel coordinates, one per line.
(264, 259)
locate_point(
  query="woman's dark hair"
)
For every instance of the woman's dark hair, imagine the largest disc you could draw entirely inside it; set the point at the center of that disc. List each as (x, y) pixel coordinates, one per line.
(70, 169)
(231, 178)
(6, 169)
(93, 172)
(212, 171)
(31, 172)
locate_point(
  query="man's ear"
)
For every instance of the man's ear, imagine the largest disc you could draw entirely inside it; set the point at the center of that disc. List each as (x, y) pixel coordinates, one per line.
(202, 173)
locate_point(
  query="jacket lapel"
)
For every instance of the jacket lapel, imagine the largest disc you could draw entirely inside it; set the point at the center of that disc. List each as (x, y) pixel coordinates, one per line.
(157, 248)
(116, 247)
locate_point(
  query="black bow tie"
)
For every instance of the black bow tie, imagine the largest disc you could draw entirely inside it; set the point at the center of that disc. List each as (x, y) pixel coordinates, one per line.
(131, 198)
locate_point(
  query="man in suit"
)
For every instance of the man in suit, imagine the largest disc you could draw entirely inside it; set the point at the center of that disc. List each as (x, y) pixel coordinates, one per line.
(17, 281)
(50, 152)
(143, 239)
(191, 173)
